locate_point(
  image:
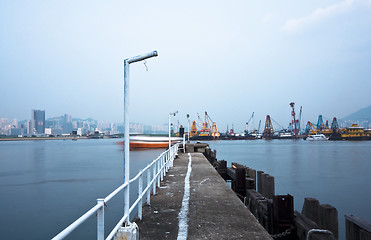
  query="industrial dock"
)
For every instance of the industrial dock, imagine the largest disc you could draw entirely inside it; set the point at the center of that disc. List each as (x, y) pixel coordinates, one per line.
(206, 129)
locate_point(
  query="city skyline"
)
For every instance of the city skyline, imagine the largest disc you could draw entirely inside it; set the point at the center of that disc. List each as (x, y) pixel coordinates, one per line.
(65, 124)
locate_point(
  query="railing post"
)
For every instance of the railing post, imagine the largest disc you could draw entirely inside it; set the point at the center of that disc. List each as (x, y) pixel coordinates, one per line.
(159, 172)
(100, 219)
(168, 163)
(172, 156)
(165, 166)
(162, 168)
(140, 204)
(154, 179)
(149, 189)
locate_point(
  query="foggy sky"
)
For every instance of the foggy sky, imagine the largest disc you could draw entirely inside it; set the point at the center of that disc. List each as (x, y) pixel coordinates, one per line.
(230, 58)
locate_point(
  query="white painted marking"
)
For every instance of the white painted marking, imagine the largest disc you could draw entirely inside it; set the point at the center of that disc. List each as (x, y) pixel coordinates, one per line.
(183, 214)
(204, 180)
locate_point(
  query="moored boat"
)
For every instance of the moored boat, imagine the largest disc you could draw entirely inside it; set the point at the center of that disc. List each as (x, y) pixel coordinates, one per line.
(317, 137)
(151, 141)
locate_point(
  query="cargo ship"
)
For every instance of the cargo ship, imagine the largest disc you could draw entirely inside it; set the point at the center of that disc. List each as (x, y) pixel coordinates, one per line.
(355, 132)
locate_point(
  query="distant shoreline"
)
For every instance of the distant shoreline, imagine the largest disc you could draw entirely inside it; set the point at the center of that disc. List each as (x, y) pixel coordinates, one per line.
(40, 138)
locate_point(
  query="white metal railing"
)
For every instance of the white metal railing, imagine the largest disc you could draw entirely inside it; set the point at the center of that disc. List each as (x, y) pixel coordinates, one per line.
(159, 167)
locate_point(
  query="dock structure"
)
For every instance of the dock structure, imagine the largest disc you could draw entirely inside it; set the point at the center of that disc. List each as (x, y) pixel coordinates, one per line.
(203, 208)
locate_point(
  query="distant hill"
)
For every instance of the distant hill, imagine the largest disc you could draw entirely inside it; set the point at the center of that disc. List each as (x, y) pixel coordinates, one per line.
(87, 120)
(361, 115)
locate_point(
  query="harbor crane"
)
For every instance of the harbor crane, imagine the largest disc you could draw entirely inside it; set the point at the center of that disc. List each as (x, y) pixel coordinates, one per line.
(201, 124)
(260, 121)
(214, 129)
(268, 129)
(294, 121)
(193, 131)
(248, 122)
(301, 108)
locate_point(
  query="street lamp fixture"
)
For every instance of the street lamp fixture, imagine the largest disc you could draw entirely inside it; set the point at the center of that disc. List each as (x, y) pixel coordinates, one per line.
(127, 62)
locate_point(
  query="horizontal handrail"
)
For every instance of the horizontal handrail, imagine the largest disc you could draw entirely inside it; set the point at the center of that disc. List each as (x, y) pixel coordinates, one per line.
(78, 222)
(164, 165)
(109, 197)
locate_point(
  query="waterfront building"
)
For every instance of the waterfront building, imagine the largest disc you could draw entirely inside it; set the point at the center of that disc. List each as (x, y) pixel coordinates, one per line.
(38, 121)
(16, 131)
(48, 131)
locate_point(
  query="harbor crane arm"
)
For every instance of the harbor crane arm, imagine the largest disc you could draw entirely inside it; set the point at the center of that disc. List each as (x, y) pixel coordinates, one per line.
(200, 121)
(248, 122)
(278, 124)
(260, 121)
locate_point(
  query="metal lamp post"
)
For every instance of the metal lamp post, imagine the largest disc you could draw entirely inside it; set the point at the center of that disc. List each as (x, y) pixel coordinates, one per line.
(188, 126)
(174, 113)
(127, 62)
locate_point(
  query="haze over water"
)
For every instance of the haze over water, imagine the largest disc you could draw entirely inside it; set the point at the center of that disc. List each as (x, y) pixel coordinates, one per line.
(46, 185)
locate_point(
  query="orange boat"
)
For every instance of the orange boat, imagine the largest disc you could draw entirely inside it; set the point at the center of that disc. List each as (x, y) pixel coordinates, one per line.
(150, 142)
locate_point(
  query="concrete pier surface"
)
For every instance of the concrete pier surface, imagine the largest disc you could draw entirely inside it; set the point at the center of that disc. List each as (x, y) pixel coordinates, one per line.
(213, 210)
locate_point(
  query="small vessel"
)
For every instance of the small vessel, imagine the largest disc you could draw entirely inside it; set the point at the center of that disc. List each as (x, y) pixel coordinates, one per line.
(317, 137)
(284, 134)
(151, 141)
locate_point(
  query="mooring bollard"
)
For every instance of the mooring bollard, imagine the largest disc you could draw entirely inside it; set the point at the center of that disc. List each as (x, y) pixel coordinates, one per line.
(240, 181)
(329, 219)
(311, 209)
(252, 174)
(222, 169)
(267, 186)
(260, 182)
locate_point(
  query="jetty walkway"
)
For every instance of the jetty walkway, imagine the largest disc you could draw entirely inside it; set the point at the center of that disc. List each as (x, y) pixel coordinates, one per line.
(194, 202)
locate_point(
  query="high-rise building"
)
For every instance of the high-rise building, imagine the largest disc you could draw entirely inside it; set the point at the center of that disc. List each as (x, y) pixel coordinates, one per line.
(38, 121)
(67, 124)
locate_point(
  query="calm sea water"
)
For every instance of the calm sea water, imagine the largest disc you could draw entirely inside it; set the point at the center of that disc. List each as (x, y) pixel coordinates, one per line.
(336, 173)
(46, 185)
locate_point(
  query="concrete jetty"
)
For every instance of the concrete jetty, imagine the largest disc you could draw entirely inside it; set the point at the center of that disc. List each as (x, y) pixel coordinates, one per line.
(213, 211)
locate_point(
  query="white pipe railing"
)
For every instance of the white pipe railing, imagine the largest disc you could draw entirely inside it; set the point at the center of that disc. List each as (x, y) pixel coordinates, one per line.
(159, 168)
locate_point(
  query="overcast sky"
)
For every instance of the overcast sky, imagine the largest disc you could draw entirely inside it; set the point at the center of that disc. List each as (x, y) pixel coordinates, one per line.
(230, 58)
